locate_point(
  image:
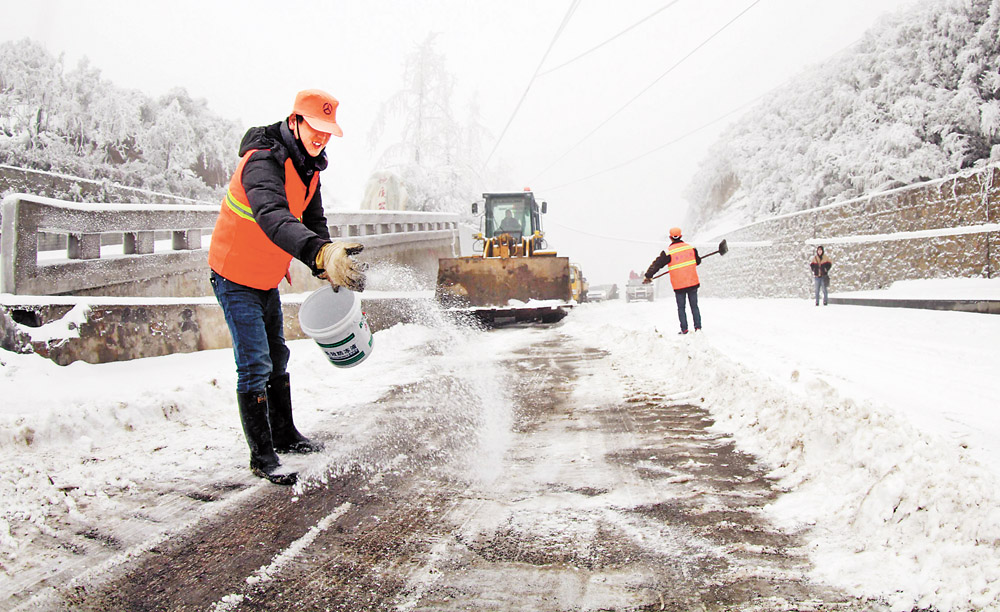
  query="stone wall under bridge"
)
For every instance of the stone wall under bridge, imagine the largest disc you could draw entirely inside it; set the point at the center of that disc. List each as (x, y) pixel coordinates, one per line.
(945, 228)
(141, 296)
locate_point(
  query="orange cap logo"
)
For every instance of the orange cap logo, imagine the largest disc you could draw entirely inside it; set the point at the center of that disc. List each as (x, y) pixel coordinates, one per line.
(319, 109)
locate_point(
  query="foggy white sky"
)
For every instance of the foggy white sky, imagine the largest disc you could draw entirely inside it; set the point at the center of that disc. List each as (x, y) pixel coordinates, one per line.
(248, 58)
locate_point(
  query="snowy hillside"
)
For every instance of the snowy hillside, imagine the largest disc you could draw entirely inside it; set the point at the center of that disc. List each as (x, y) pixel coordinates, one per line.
(71, 120)
(917, 98)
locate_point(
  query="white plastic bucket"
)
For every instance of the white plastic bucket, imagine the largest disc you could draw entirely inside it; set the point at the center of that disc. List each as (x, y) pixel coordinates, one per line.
(335, 321)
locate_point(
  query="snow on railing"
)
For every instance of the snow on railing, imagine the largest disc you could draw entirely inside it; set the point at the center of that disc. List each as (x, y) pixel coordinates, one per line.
(89, 263)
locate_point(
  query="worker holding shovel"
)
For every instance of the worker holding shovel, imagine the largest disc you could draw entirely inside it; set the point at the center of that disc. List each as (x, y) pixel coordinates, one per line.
(271, 213)
(681, 260)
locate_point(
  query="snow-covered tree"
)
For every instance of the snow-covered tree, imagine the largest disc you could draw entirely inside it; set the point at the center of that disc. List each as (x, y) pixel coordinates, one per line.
(917, 98)
(30, 79)
(77, 123)
(435, 155)
(170, 139)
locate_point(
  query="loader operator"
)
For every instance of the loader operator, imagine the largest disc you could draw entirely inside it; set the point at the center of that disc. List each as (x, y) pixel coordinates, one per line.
(681, 260)
(509, 223)
(273, 212)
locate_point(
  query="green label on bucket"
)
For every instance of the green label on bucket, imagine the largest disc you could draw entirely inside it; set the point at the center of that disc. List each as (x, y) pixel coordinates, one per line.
(335, 345)
(344, 362)
(343, 356)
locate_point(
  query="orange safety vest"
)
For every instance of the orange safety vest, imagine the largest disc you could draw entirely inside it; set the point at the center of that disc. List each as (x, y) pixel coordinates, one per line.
(240, 251)
(682, 266)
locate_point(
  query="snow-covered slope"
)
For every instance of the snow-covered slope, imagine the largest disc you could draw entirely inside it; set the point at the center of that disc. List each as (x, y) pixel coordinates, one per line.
(917, 98)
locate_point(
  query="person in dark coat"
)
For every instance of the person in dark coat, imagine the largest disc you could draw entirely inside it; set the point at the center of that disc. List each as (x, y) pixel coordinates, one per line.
(820, 265)
(272, 212)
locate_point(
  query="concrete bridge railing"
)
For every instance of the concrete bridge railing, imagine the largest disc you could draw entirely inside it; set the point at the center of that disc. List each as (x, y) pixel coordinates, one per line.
(113, 249)
(136, 275)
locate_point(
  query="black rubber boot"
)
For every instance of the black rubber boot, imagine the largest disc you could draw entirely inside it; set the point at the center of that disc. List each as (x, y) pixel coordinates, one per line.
(286, 438)
(263, 462)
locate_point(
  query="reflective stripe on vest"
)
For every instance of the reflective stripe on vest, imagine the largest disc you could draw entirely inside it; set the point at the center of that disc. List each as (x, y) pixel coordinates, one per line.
(240, 251)
(238, 207)
(244, 210)
(682, 266)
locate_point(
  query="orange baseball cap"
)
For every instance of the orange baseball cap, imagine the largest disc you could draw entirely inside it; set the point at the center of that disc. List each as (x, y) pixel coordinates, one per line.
(319, 109)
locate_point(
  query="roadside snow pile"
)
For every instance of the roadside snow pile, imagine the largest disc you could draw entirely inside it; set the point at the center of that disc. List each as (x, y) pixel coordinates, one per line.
(891, 507)
(889, 512)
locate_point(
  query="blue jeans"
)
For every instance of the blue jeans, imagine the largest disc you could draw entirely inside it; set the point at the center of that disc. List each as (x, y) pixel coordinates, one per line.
(691, 294)
(257, 329)
(821, 282)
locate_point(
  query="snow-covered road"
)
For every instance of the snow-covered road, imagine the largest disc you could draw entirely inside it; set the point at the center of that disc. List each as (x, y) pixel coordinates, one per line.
(879, 423)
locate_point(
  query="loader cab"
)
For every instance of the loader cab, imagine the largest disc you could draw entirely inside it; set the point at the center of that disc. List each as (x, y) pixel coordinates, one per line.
(517, 214)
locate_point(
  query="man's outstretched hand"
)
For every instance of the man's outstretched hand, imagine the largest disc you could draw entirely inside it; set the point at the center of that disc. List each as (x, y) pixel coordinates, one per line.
(339, 267)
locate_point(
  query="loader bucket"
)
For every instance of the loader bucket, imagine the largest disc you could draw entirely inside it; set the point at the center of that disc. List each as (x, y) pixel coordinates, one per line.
(494, 282)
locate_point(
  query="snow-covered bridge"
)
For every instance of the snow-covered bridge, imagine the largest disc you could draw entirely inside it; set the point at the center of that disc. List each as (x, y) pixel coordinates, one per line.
(148, 266)
(112, 249)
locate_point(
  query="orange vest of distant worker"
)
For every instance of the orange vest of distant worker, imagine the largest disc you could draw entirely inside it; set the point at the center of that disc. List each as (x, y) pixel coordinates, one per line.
(240, 251)
(682, 266)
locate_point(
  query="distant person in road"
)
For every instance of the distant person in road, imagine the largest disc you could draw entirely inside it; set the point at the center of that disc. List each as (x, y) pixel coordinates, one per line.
(820, 265)
(681, 260)
(509, 223)
(271, 213)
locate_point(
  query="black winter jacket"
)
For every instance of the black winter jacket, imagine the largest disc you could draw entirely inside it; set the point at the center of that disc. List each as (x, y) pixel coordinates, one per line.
(264, 181)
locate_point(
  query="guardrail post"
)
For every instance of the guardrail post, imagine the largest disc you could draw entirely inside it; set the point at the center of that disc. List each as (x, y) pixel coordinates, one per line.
(84, 246)
(186, 240)
(139, 243)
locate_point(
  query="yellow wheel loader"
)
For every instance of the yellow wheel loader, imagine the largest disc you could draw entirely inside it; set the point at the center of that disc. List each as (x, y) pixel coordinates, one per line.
(512, 278)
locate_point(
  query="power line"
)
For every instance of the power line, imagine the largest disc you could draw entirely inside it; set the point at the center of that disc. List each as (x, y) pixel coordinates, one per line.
(647, 88)
(592, 49)
(569, 13)
(603, 236)
(678, 139)
(690, 133)
(634, 159)
(655, 149)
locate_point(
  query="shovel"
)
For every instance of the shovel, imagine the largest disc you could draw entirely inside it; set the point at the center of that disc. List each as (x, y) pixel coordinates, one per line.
(722, 250)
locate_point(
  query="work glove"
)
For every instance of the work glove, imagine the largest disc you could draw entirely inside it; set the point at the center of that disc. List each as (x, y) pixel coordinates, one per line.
(339, 267)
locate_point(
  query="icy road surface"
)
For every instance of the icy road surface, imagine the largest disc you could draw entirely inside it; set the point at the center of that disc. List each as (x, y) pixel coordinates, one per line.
(514, 485)
(602, 463)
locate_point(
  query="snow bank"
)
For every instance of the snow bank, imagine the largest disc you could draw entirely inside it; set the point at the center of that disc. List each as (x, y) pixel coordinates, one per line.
(889, 510)
(947, 289)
